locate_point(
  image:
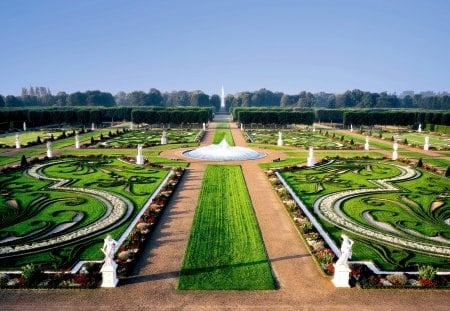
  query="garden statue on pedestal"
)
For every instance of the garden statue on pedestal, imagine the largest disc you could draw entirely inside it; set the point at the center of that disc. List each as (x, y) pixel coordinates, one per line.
(242, 126)
(204, 126)
(420, 128)
(164, 138)
(77, 141)
(140, 157)
(426, 146)
(395, 153)
(24, 126)
(109, 268)
(280, 139)
(17, 141)
(49, 150)
(366, 145)
(341, 268)
(310, 160)
(93, 126)
(351, 127)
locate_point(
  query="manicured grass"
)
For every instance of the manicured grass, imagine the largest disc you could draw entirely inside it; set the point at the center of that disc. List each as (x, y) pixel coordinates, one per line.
(109, 152)
(27, 205)
(417, 210)
(340, 153)
(270, 147)
(283, 163)
(70, 141)
(298, 138)
(223, 132)
(26, 137)
(225, 249)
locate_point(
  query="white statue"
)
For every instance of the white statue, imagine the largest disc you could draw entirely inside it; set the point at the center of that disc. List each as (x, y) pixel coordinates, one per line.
(109, 249)
(140, 157)
(77, 141)
(204, 126)
(24, 126)
(395, 153)
(310, 160)
(242, 126)
(109, 268)
(17, 141)
(164, 138)
(346, 250)
(49, 150)
(93, 126)
(426, 146)
(341, 268)
(314, 128)
(420, 128)
(280, 139)
(351, 127)
(366, 145)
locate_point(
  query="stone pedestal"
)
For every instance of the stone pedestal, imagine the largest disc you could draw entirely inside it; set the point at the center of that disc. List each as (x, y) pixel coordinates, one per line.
(163, 140)
(109, 275)
(394, 155)
(341, 275)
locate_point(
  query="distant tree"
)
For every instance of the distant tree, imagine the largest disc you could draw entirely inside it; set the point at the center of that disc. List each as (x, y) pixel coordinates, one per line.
(199, 99)
(121, 99)
(77, 99)
(2, 101)
(154, 98)
(214, 101)
(61, 99)
(12, 101)
(136, 98)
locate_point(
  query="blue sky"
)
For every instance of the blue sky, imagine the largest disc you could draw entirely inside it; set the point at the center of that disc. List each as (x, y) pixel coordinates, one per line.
(281, 45)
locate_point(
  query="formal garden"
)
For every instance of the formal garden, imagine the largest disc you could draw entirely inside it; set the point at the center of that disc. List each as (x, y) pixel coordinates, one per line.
(151, 137)
(397, 215)
(55, 215)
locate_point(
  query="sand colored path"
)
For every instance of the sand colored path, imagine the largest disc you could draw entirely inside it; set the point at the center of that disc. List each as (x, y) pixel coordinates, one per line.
(153, 286)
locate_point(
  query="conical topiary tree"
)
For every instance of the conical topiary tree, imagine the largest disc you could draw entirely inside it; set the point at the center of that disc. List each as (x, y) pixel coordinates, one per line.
(420, 163)
(447, 172)
(23, 161)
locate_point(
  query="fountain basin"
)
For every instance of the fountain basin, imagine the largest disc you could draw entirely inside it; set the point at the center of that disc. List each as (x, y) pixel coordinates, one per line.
(223, 152)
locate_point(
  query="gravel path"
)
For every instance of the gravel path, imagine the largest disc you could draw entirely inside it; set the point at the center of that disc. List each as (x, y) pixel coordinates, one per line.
(153, 285)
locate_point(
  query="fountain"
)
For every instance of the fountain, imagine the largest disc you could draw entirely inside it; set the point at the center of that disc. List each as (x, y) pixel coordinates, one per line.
(140, 157)
(17, 141)
(49, 150)
(280, 139)
(395, 153)
(24, 126)
(164, 138)
(366, 145)
(426, 146)
(310, 160)
(77, 141)
(223, 152)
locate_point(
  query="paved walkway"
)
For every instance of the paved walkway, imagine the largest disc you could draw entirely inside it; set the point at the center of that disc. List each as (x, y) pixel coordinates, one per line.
(153, 286)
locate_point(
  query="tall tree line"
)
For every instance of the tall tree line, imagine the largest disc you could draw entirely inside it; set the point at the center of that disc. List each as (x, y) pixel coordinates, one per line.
(41, 96)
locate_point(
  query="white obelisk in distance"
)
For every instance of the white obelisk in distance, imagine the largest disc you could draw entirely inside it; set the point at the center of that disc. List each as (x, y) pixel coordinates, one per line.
(222, 100)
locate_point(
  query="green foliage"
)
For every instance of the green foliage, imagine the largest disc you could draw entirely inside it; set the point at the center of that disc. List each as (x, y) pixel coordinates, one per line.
(23, 161)
(32, 274)
(427, 272)
(225, 249)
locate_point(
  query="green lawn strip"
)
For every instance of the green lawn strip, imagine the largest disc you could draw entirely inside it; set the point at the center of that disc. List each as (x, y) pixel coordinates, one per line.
(445, 153)
(295, 138)
(419, 139)
(222, 126)
(109, 152)
(219, 135)
(409, 208)
(283, 163)
(173, 146)
(67, 142)
(225, 249)
(437, 162)
(8, 159)
(271, 147)
(334, 153)
(361, 140)
(26, 137)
